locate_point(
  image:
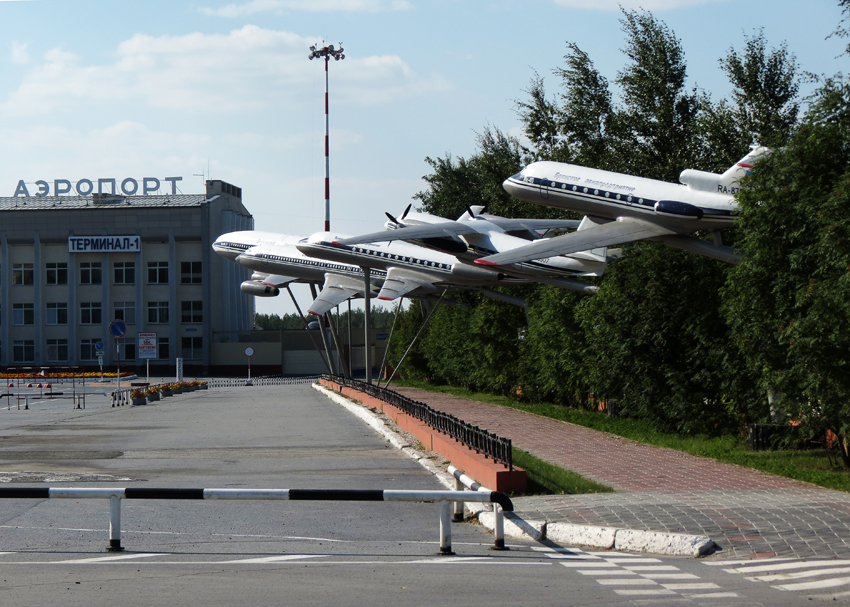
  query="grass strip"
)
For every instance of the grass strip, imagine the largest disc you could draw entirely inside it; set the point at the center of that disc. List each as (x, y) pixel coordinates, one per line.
(810, 466)
(546, 479)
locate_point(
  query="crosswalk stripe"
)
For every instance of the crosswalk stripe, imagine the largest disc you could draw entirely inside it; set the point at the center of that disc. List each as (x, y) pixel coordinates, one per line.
(642, 591)
(799, 574)
(651, 567)
(784, 566)
(600, 564)
(628, 582)
(831, 583)
(714, 595)
(695, 586)
(632, 560)
(275, 559)
(670, 576)
(604, 572)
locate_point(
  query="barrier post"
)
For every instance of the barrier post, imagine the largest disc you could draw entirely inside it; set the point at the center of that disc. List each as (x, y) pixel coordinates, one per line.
(458, 514)
(446, 528)
(114, 524)
(499, 531)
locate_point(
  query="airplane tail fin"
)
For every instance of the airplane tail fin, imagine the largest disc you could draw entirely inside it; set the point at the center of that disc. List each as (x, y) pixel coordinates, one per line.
(741, 169)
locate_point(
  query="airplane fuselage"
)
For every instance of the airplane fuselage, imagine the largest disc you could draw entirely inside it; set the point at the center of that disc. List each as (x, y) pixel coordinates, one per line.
(611, 195)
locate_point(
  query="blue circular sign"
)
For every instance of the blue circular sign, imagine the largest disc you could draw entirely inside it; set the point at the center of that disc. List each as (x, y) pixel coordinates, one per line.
(118, 328)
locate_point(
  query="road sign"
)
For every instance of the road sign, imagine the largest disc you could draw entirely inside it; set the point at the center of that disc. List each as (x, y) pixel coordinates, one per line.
(249, 351)
(118, 328)
(147, 345)
(98, 347)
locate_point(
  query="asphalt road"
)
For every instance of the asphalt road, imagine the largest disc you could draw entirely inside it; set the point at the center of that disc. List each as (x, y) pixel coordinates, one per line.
(283, 553)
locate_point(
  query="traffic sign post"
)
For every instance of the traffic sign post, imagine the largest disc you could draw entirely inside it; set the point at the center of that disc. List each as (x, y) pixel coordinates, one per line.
(147, 350)
(249, 352)
(98, 348)
(118, 328)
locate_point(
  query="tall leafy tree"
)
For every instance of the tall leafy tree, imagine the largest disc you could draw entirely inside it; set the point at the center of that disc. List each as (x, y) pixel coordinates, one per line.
(788, 302)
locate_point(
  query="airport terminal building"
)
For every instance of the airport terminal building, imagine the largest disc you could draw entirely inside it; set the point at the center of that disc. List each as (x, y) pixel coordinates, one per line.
(72, 261)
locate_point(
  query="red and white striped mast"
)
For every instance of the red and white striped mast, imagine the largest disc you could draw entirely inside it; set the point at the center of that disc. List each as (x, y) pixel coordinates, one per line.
(327, 52)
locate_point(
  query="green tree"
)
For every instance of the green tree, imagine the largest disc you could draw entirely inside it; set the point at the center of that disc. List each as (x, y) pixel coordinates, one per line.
(787, 302)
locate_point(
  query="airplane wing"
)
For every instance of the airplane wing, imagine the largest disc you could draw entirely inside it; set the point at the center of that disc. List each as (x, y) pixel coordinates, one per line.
(625, 229)
(277, 280)
(400, 282)
(453, 229)
(337, 289)
(447, 229)
(531, 225)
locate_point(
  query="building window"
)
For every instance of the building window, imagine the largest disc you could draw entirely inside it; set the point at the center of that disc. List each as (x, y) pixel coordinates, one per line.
(57, 350)
(158, 312)
(88, 349)
(57, 313)
(192, 347)
(162, 352)
(128, 350)
(124, 272)
(23, 314)
(158, 272)
(57, 273)
(23, 351)
(191, 311)
(22, 274)
(126, 311)
(190, 272)
(91, 273)
(90, 313)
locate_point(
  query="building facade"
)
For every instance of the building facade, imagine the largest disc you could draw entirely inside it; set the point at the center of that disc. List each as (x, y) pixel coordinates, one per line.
(71, 265)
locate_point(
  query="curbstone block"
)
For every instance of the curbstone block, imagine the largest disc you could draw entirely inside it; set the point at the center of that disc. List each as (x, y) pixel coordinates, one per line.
(668, 544)
(581, 535)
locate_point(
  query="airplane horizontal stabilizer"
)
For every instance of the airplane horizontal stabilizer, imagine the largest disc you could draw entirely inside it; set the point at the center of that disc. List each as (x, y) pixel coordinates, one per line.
(278, 280)
(625, 229)
(337, 289)
(400, 282)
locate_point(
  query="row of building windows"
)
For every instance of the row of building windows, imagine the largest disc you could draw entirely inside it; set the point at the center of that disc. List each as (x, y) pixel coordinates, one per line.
(91, 273)
(23, 351)
(91, 313)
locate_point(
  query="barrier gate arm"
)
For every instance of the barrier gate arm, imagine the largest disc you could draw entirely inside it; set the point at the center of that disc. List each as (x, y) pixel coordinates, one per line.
(115, 495)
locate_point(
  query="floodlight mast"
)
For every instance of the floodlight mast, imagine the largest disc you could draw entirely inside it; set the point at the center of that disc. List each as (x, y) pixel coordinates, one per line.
(327, 52)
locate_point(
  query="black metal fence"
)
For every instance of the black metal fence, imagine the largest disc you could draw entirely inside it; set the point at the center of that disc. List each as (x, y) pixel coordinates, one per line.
(490, 445)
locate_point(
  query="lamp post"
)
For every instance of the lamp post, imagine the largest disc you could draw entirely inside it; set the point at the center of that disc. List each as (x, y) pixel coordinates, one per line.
(327, 52)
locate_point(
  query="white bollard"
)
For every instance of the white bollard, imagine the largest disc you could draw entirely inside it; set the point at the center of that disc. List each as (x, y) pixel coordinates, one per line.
(114, 524)
(458, 514)
(446, 528)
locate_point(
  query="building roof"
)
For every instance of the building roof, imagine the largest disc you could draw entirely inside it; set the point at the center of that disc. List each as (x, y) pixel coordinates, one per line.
(104, 201)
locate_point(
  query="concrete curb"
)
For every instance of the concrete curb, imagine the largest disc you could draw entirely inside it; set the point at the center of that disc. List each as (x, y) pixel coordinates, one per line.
(604, 538)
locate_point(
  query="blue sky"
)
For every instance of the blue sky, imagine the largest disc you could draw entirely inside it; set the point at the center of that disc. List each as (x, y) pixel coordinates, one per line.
(159, 88)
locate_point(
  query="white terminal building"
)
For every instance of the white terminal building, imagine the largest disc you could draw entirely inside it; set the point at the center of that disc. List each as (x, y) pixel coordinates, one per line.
(71, 263)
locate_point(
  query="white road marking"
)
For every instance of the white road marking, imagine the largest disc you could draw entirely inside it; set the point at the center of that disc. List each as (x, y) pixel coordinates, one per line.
(670, 576)
(599, 564)
(634, 581)
(604, 572)
(831, 583)
(714, 595)
(274, 559)
(744, 561)
(632, 560)
(651, 567)
(109, 559)
(800, 574)
(699, 586)
(642, 591)
(783, 566)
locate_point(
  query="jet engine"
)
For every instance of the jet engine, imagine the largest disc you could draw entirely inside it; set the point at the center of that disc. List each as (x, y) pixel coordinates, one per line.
(259, 289)
(678, 209)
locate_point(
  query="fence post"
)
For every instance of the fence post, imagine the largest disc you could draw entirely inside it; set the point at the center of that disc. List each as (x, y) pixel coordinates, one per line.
(114, 524)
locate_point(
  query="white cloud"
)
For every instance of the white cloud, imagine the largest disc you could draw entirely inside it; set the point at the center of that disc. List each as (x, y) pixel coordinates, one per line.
(614, 5)
(246, 70)
(315, 6)
(118, 150)
(19, 53)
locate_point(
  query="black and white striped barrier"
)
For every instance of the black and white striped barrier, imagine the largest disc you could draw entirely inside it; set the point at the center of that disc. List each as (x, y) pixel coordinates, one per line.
(461, 481)
(115, 495)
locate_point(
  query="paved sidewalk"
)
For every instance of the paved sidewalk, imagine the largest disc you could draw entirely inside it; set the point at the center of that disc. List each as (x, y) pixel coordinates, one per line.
(748, 513)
